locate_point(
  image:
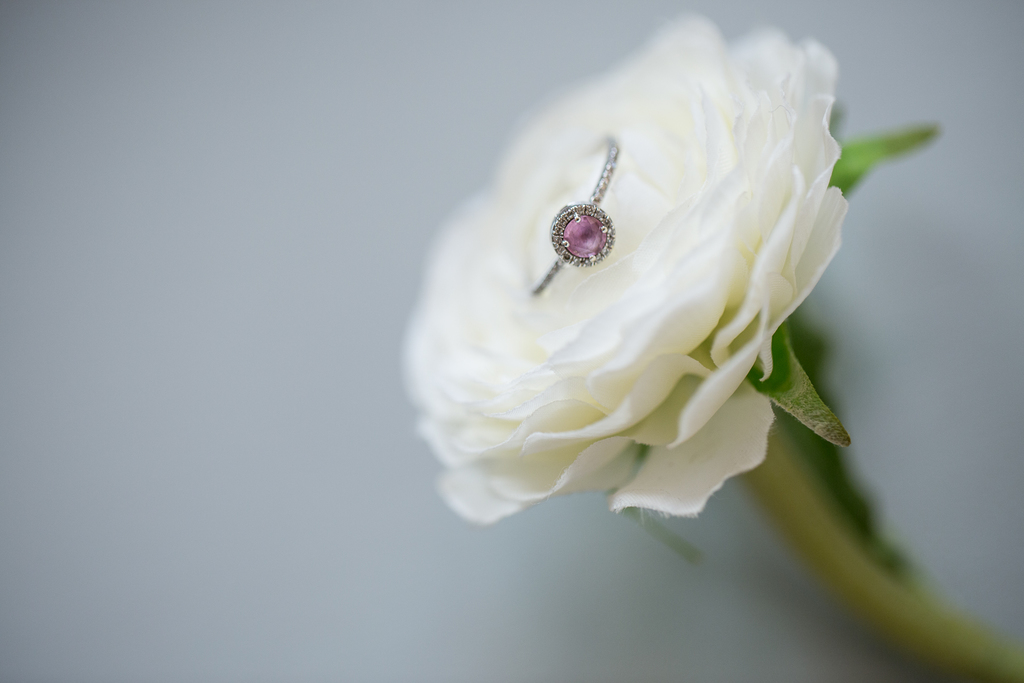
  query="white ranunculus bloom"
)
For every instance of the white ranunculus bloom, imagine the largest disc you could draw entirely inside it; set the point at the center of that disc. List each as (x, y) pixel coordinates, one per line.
(724, 223)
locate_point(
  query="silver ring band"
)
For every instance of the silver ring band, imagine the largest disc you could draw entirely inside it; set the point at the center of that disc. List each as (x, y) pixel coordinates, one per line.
(582, 235)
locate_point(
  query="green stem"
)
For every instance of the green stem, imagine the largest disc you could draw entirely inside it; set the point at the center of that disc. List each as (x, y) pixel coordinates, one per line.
(902, 611)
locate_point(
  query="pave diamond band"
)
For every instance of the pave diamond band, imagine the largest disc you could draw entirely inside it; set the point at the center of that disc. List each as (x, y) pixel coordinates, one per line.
(582, 234)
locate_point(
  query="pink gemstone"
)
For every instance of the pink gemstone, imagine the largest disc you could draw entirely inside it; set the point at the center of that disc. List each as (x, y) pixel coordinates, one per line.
(585, 237)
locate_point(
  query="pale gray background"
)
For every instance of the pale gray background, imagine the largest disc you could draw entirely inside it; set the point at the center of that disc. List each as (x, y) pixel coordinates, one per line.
(212, 224)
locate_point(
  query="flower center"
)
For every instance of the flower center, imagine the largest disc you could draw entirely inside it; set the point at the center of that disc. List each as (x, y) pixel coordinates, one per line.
(585, 237)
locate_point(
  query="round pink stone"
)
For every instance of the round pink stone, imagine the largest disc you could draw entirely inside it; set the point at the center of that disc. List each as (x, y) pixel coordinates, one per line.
(585, 237)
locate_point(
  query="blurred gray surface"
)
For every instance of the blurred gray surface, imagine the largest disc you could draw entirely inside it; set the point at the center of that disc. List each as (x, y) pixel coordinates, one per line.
(212, 224)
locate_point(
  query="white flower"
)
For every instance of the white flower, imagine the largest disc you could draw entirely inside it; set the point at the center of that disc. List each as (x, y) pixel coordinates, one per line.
(724, 223)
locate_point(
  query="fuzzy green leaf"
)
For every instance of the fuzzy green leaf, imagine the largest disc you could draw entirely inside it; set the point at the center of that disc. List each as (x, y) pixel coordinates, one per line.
(791, 389)
(660, 532)
(825, 461)
(861, 154)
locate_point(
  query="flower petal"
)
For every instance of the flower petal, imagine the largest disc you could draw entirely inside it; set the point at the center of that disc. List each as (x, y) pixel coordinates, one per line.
(679, 481)
(487, 491)
(468, 492)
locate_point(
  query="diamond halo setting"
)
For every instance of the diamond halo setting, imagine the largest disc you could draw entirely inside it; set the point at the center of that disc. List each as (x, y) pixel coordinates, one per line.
(582, 235)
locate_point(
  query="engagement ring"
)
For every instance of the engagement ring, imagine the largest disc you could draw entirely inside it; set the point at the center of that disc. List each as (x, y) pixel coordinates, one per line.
(583, 234)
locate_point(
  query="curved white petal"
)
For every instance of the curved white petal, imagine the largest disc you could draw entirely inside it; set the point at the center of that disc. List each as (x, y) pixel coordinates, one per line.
(485, 492)
(679, 481)
(468, 492)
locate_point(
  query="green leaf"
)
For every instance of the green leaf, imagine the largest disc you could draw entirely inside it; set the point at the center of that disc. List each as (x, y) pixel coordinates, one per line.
(791, 389)
(826, 463)
(861, 154)
(662, 533)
